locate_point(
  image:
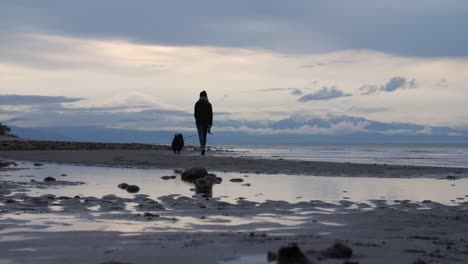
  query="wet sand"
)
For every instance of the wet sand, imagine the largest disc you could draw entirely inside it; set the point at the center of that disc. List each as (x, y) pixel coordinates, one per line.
(219, 160)
(140, 228)
(181, 229)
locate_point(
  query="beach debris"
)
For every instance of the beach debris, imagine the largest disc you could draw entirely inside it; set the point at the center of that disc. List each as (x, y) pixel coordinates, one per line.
(291, 254)
(246, 184)
(166, 177)
(49, 179)
(193, 174)
(337, 251)
(236, 180)
(133, 188)
(123, 186)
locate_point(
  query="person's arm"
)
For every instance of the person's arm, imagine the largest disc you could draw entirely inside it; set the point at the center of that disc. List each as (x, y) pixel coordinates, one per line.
(210, 111)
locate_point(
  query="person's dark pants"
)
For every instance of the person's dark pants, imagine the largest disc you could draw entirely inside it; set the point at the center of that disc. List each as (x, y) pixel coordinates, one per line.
(202, 133)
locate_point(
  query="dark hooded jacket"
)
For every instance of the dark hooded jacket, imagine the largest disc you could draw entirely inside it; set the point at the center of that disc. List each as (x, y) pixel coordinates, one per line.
(203, 112)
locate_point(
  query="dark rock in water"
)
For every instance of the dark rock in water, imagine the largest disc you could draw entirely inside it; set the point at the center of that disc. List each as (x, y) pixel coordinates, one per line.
(178, 171)
(271, 256)
(32, 180)
(38, 164)
(133, 189)
(168, 177)
(211, 175)
(10, 201)
(150, 215)
(452, 178)
(236, 180)
(77, 197)
(123, 186)
(63, 175)
(337, 251)
(49, 179)
(6, 164)
(193, 174)
(218, 180)
(419, 261)
(291, 254)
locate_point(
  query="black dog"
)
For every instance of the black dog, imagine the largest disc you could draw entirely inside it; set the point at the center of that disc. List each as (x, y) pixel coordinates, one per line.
(177, 143)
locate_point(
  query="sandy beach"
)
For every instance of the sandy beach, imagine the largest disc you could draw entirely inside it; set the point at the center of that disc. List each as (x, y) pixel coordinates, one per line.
(218, 159)
(82, 217)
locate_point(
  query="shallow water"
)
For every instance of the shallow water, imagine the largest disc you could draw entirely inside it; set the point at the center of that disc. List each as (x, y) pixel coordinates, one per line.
(444, 155)
(100, 181)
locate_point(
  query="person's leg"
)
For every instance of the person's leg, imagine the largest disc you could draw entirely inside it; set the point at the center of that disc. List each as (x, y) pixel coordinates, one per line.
(205, 133)
(202, 133)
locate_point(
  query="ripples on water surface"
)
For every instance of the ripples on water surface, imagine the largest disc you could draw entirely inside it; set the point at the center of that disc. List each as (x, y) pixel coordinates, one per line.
(447, 155)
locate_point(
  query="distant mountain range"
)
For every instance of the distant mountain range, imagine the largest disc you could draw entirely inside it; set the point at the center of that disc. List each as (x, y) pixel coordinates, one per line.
(294, 130)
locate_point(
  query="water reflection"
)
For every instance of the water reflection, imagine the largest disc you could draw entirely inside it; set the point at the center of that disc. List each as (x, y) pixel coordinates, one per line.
(100, 181)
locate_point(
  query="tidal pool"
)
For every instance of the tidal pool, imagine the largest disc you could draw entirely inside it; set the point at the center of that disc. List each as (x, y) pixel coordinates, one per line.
(100, 181)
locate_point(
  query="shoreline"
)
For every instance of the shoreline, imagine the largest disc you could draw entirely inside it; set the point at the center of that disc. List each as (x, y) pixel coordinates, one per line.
(160, 158)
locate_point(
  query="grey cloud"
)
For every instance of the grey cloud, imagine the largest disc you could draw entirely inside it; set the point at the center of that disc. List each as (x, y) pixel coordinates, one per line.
(14, 99)
(395, 83)
(326, 63)
(367, 110)
(398, 27)
(294, 91)
(369, 89)
(324, 94)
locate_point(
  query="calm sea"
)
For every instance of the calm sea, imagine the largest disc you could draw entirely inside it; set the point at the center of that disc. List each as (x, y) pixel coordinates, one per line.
(447, 155)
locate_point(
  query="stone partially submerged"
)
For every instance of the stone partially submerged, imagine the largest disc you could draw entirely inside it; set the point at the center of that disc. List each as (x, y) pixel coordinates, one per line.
(193, 174)
(291, 254)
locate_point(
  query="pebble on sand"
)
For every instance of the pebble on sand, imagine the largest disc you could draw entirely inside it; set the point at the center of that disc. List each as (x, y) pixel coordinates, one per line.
(133, 189)
(236, 180)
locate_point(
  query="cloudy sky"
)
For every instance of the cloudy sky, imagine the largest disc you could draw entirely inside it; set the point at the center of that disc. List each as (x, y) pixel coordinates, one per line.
(141, 64)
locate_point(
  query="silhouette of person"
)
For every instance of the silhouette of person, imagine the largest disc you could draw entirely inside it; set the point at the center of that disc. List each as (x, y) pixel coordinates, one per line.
(203, 119)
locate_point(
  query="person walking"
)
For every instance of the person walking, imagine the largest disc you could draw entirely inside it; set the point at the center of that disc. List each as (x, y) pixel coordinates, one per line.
(203, 119)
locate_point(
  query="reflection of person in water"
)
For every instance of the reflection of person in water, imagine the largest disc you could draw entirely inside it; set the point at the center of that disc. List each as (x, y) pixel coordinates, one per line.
(204, 119)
